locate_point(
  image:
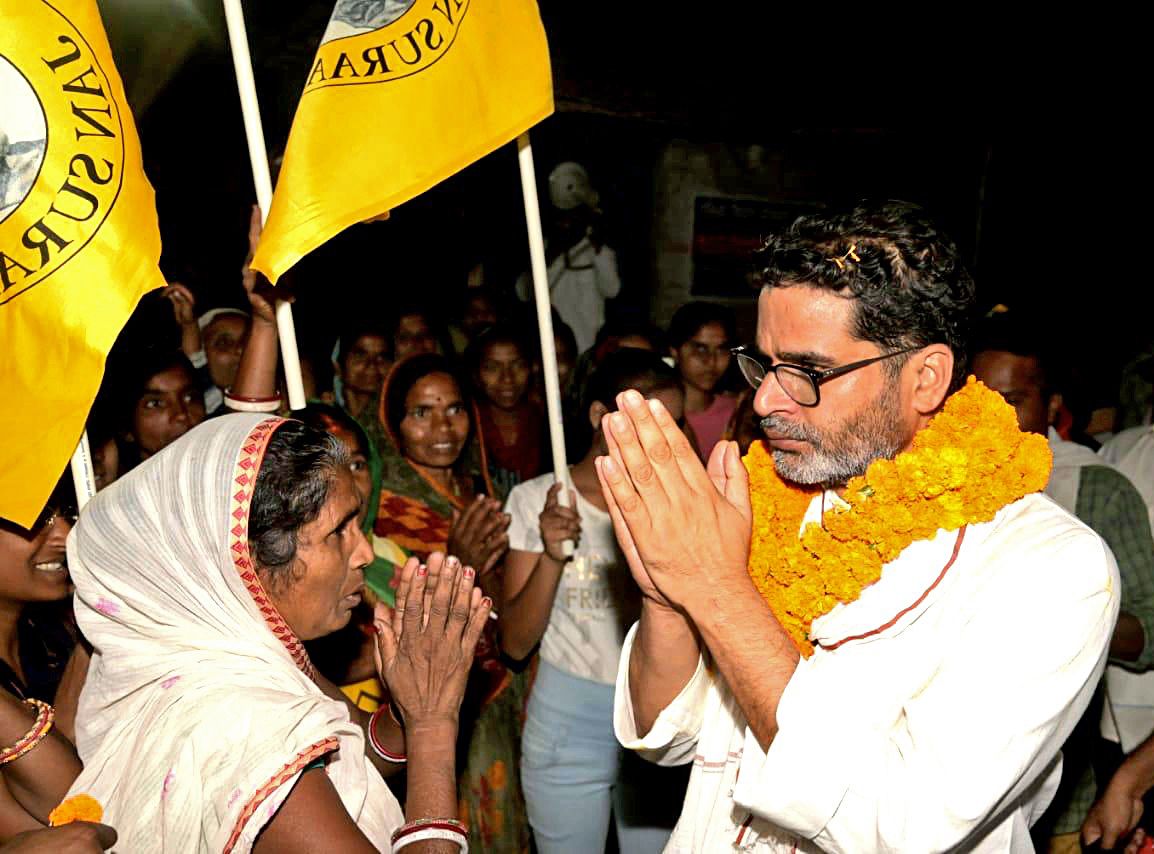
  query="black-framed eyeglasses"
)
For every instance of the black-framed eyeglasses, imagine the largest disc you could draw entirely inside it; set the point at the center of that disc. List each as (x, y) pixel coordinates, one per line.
(802, 384)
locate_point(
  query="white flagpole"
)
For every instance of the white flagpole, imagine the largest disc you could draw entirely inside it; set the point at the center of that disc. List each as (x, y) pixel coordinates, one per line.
(544, 320)
(83, 477)
(258, 156)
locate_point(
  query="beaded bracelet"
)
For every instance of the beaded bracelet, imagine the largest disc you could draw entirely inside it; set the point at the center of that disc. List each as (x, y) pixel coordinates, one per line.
(45, 715)
(378, 748)
(423, 829)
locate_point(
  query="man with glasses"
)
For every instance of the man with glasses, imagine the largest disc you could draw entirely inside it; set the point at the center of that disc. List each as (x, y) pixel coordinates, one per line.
(931, 713)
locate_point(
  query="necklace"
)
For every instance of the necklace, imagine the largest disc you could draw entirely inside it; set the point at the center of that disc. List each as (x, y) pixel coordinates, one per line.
(969, 462)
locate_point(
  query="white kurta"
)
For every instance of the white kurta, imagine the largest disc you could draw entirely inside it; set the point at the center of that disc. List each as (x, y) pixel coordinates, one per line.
(939, 730)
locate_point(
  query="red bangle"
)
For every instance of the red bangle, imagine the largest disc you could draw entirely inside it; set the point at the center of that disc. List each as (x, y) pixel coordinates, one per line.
(378, 748)
(45, 715)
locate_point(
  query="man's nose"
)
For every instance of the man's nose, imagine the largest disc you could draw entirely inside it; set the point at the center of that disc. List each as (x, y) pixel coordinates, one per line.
(770, 397)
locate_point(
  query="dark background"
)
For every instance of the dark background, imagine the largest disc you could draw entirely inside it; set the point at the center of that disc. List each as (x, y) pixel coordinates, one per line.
(1024, 138)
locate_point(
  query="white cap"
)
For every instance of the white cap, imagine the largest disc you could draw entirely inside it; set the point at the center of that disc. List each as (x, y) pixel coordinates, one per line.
(569, 187)
(213, 313)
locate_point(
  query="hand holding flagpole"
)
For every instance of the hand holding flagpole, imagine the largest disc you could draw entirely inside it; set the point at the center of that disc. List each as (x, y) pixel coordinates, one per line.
(262, 179)
(544, 322)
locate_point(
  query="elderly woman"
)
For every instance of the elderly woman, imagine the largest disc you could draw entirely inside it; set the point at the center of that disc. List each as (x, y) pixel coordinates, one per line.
(203, 725)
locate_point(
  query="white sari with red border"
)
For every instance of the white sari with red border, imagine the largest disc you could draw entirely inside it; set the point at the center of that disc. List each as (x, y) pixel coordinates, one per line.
(200, 711)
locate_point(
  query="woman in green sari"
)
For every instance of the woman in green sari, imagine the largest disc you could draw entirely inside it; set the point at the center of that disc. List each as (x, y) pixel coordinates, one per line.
(436, 496)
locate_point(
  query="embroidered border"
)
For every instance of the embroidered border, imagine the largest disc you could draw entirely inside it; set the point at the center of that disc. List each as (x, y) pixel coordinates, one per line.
(890, 623)
(247, 466)
(321, 748)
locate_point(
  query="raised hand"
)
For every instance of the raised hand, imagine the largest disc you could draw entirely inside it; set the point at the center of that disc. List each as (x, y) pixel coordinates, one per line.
(263, 308)
(183, 303)
(679, 526)
(427, 665)
(479, 535)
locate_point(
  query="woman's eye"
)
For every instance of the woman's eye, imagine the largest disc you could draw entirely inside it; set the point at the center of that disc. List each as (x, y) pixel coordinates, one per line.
(153, 403)
(455, 409)
(419, 412)
(358, 465)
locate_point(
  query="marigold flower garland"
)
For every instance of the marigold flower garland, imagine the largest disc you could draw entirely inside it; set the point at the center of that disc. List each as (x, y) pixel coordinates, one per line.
(969, 462)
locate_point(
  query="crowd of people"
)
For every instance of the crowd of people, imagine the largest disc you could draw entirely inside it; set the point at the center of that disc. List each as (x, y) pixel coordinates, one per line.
(380, 622)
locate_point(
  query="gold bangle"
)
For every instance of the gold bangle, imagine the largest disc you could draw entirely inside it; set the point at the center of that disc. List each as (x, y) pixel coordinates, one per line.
(45, 715)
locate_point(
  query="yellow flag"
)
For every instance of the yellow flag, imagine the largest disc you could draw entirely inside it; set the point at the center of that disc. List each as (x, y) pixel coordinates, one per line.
(79, 242)
(402, 94)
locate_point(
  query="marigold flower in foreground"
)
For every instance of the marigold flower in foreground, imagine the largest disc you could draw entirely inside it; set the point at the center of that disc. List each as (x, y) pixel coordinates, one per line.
(77, 808)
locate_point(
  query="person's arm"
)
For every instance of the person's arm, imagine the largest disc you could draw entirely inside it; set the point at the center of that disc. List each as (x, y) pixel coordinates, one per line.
(531, 577)
(605, 266)
(184, 312)
(256, 374)
(312, 820)
(1117, 812)
(691, 531)
(1110, 504)
(14, 819)
(39, 779)
(79, 837)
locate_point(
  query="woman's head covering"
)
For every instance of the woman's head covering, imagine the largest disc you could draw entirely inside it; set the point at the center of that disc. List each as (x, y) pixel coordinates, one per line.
(199, 712)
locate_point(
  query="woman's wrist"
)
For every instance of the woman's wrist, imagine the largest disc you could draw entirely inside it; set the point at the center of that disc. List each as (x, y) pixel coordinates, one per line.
(431, 735)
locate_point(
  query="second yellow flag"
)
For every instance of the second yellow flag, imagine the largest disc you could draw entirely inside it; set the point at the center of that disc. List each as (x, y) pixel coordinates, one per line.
(402, 94)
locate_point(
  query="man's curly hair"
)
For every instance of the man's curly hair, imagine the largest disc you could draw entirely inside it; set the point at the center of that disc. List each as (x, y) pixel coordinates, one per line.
(909, 286)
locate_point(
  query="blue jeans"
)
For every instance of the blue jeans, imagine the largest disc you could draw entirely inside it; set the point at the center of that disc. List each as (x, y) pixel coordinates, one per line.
(574, 774)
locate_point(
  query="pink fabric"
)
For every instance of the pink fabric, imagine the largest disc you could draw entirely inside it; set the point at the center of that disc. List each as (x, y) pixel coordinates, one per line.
(709, 425)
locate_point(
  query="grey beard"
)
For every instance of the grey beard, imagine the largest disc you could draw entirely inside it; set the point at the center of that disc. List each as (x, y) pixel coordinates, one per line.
(844, 453)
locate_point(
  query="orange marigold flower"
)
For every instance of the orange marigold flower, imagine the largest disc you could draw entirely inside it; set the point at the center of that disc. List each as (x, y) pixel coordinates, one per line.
(77, 808)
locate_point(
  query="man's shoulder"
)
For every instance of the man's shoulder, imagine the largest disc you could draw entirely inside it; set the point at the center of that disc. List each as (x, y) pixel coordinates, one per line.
(1035, 538)
(1108, 483)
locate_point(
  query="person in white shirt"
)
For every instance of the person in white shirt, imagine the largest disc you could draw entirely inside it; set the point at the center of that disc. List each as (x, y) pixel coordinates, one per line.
(577, 609)
(930, 714)
(582, 269)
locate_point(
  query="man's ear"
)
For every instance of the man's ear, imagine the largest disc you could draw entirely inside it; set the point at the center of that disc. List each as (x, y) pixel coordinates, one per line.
(1053, 408)
(933, 371)
(597, 411)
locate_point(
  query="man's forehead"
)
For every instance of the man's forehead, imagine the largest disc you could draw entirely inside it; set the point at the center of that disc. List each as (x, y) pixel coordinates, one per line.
(802, 319)
(1008, 370)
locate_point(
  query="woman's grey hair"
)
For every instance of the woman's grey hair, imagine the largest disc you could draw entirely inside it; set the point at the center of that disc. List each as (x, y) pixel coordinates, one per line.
(291, 488)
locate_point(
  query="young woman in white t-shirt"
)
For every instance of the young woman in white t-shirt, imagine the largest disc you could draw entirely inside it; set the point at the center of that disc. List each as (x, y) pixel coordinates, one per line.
(578, 610)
